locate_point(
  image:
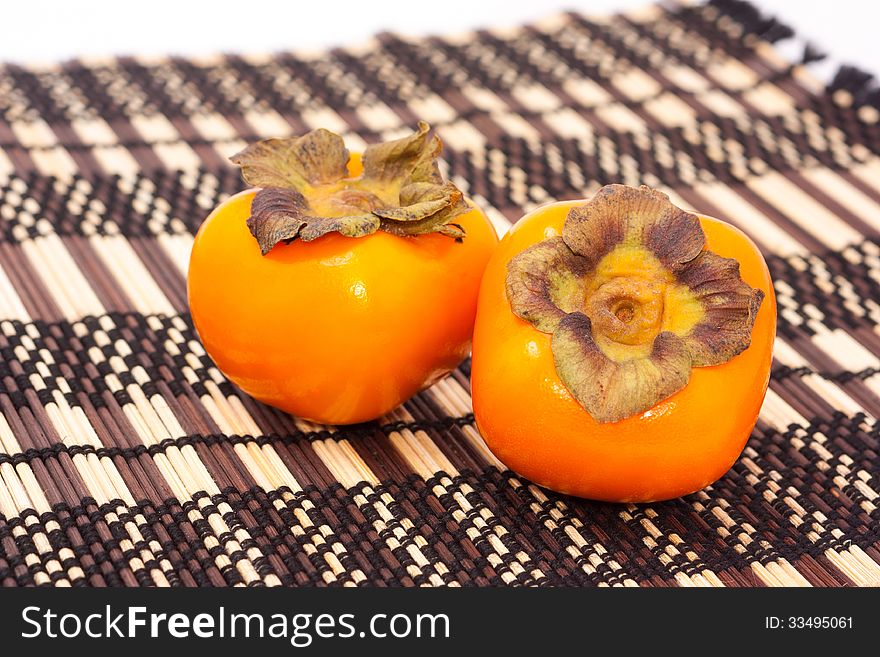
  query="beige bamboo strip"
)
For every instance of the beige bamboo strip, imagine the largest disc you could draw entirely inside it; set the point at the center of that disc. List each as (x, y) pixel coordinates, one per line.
(105, 484)
(112, 157)
(831, 391)
(100, 475)
(350, 470)
(868, 172)
(6, 166)
(20, 491)
(450, 394)
(706, 577)
(843, 348)
(671, 111)
(568, 124)
(778, 413)
(166, 141)
(269, 480)
(214, 127)
(11, 306)
(46, 273)
(54, 273)
(755, 223)
(804, 210)
(178, 249)
(181, 467)
(324, 116)
(65, 270)
(849, 562)
(340, 459)
(594, 552)
(842, 191)
(263, 463)
(130, 274)
(267, 122)
(770, 99)
(116, 160)
(427, 460)
(378, 117)
(50, 158)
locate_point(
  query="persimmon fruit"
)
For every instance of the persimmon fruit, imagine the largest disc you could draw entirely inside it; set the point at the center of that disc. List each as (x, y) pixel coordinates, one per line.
(622, 347)
(341, 294)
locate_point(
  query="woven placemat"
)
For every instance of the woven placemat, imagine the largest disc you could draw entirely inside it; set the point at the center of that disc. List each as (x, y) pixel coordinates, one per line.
(126, 458)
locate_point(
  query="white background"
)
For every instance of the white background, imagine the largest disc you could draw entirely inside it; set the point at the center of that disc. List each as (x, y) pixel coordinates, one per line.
(43, 31)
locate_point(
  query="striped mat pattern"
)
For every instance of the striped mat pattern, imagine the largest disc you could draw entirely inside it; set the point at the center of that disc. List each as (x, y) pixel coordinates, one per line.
(127, 459)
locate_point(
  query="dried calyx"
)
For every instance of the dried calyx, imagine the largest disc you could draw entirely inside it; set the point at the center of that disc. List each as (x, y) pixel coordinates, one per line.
(306, 190)
(633, 300)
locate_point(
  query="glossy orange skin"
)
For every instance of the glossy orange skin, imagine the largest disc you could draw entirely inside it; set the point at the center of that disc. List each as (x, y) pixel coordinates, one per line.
(534, 426)
(338, 330)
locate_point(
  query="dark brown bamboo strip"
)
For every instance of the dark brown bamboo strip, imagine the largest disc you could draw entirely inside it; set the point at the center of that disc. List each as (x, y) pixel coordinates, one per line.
(110, 296)
(95, 486)
(86, 163)
(859, 184)
(31, 291)
(831, 204)
(18, 155)
(823, 361)
(208, 155)
(163, 271)
(136, 431)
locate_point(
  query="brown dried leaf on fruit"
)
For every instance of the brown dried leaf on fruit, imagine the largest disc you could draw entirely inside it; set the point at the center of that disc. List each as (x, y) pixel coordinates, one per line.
(633, 300)
(306, 190)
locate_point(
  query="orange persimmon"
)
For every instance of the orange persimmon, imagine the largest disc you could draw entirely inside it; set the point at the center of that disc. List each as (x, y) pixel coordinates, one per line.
(340, 311)
(622, 347)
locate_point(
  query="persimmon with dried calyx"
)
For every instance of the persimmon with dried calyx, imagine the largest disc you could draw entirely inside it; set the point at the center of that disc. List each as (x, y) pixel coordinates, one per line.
(623, 346)
(343, 284)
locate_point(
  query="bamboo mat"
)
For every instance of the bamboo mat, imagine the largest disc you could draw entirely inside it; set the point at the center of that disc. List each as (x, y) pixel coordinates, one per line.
(127, 459)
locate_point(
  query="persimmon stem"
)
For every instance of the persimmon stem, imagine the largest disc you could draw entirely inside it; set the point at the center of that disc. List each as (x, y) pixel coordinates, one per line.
(633, 299)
